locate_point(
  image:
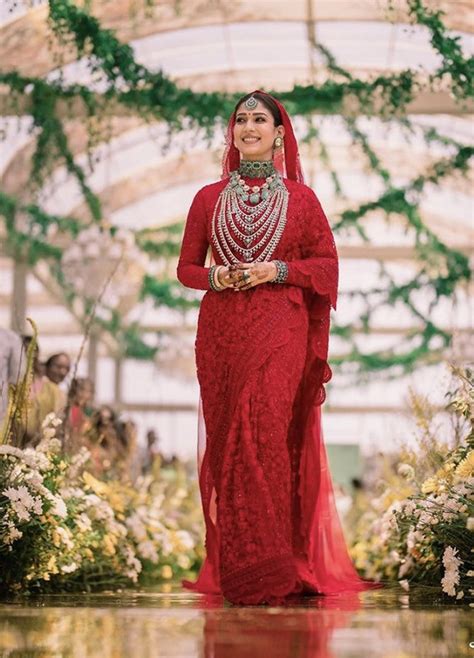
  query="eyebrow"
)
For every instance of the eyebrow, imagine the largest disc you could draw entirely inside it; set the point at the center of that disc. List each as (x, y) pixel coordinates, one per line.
(263, 114)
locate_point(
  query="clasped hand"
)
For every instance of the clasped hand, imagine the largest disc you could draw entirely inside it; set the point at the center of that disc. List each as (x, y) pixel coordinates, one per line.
(243, 276)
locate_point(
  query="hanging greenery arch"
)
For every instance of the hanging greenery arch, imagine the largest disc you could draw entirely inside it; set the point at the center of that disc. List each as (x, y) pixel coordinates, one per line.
(154, 96)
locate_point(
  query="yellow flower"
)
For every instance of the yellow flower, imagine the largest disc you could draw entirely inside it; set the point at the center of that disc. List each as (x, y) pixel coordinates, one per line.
(51, 566)
(56, 538)
(465, 469)
(109, 544)
(98, 487)
(429, 486)
(184, 561)
(166, 571)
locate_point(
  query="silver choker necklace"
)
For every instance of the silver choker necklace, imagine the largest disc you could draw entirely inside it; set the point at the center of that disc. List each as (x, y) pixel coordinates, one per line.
(256, 169)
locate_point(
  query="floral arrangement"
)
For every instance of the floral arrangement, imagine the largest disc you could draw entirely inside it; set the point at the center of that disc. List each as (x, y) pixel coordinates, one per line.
(419, 530)
(63, 529)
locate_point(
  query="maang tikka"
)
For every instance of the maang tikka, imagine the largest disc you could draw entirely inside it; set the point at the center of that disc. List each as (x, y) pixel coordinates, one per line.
(251, 103)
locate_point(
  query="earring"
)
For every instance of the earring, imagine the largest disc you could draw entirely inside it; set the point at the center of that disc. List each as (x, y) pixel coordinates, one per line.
(278, 143)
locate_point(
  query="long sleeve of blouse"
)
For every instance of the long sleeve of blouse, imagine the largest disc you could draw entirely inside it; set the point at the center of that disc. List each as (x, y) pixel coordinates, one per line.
(191, 271)
(318, 268)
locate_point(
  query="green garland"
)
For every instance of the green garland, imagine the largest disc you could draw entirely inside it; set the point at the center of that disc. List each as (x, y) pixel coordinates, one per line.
(456, 69)
(154, 96)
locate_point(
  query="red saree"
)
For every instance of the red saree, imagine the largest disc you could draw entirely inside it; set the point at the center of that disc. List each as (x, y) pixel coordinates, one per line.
(272, 528)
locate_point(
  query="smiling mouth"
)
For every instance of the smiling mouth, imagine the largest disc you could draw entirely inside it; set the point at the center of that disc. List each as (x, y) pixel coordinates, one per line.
(250, 140)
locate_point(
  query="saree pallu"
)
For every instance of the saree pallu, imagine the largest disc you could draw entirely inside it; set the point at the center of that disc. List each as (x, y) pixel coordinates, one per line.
(272, 527)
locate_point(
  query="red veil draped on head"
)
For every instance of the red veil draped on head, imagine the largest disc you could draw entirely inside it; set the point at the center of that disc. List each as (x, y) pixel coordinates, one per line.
(286, 160)
(321, 557)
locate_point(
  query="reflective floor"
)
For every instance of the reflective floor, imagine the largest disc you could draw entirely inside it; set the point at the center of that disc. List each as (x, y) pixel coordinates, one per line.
(155, 623)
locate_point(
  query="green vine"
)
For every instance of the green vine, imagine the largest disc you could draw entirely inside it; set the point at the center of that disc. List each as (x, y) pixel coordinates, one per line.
(154, 96)
(456, 69)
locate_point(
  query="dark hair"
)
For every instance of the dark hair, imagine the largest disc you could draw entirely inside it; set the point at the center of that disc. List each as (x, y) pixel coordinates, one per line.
(118, 425)
(53, 358)
(79, 383)
(269, 103)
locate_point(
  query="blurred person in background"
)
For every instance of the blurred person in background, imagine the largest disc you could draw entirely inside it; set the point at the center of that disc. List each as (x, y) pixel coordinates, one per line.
(45, 397)
(152, 458)
(81, 407)
(57, 367)
(112, 444)
(10, 365)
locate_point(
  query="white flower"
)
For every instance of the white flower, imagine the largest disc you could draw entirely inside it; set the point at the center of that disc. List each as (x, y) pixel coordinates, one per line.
(406, 471)
(116, 528)
(48, 420)
(99, 508)
(12, 534)
(137, 528)
(134, 564)
(19, 454)
(65, 536)
(451, 562)
(405, 567)
(166, 545)
(83, 522)
(449, 581)
(470, 573)
(34, 478)
(69, 568)
(426, 518)
(59, 506)
(413, 537)
(394, 555)
(23, 502)
(148, 551)
(409, 507)
(470, 523)
(450, 558)
(459, 595)
(405, 584)
(37, 459)
(184, 561)
(78, 461)
(72, 492)
(16, 472)
(461, 489)
(49, 433)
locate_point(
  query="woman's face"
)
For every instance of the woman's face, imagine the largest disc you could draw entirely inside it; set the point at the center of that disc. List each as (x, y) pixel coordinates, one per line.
(106, 415)
(255, 132)
(85, 394)
(58, 370)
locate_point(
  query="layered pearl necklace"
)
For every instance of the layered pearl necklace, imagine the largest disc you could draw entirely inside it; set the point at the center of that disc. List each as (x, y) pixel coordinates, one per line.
(248, 221)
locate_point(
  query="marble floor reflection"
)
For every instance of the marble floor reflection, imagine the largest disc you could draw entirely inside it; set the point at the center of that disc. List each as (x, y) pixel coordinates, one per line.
(167, 622)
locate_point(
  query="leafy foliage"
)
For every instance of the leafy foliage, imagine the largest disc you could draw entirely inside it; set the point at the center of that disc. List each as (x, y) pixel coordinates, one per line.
(154, 96)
